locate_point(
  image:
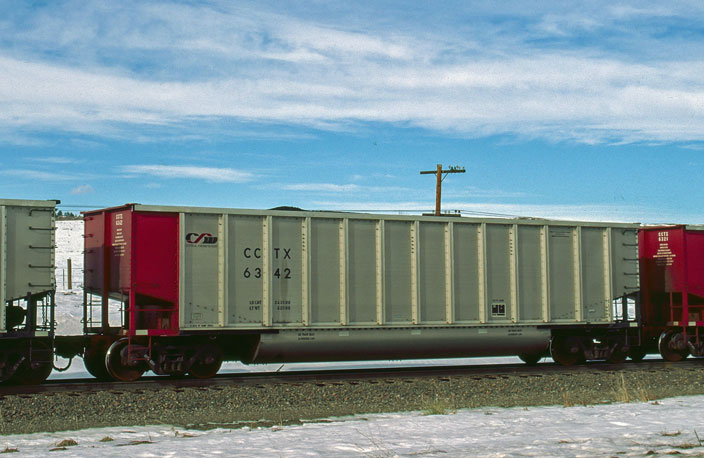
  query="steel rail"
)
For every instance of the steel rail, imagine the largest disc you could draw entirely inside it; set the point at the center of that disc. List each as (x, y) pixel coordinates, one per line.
(340, 376)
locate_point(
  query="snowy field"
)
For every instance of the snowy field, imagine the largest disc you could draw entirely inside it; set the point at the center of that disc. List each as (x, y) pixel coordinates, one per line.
(69, 312)
(666, 427)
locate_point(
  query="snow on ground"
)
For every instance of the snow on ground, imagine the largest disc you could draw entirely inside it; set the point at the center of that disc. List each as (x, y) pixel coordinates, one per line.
(660, 428)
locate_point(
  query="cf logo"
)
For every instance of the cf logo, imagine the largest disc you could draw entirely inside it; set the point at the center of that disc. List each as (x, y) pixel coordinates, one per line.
(204, 238)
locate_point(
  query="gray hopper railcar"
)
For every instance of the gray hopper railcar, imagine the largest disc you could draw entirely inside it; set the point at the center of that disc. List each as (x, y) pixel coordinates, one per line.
(27, 289)
(194, 286)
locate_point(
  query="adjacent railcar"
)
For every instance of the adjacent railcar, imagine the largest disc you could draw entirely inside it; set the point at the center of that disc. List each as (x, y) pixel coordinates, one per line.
(672, 269)
(179, 289)
(27, 290)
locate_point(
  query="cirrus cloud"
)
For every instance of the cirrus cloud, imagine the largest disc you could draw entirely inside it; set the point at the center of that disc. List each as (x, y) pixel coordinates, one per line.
(544, 73)
(211, 174)
(83, 189)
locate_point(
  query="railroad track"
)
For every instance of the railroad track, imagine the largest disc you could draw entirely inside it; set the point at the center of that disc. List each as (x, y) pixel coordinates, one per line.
(341, 376)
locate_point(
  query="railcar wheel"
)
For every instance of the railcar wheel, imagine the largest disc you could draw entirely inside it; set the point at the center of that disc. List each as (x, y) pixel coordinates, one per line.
(94, 361)
(672, 346)
(34, 372)
(566, 350)
(531, 359)
(209, 365)
(618, 355)
(115, 366)
(5, 364)
(636, 354)
(31, 373)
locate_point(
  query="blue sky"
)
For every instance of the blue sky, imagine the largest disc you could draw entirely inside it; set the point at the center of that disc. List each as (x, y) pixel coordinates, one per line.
(573, 110)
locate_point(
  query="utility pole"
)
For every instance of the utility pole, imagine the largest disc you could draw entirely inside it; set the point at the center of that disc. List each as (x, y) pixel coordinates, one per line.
(439, 176)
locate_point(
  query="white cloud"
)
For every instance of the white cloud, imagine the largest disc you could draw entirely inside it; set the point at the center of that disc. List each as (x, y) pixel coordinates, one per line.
(350, 188)
(56, 160)
(328, 40)
(211, 174)
(551, 96)
(245, 63)
(321, 187)
(587, 212)
(37, 175)
(83, 189)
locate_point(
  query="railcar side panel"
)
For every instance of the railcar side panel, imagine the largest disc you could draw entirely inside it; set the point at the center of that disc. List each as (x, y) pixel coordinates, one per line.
(364, 265)
(397, 257)
(202, 270)
(154, 291)
(530, 273)
(498, 253)
(432, 271)
(595, 291)
(285, 255)
(695, 262)
(245, 268)
(467, 276)
(562, 249)
(326, 264)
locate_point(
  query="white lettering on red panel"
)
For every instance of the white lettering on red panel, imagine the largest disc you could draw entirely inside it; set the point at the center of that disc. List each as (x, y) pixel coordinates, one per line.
(664, 256)
(118, 237)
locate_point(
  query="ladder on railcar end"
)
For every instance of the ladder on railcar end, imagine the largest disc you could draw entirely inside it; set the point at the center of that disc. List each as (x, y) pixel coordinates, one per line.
(93, 320)
(624, 319)
(685, 309)
(687, 314)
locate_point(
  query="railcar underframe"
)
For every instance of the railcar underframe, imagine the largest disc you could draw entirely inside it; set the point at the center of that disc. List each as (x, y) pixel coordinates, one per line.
(113, 352)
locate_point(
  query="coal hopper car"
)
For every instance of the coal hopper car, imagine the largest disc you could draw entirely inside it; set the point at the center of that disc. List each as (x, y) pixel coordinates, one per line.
(178, 290)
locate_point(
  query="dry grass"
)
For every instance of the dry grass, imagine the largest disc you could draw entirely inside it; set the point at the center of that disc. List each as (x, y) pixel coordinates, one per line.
(67, 443)
(439, 405)
(624, 391)
(567, 399)
(631, 392)
(439, 408)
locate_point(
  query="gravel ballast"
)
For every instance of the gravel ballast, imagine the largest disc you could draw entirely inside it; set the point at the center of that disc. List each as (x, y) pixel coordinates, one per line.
(287, 403)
